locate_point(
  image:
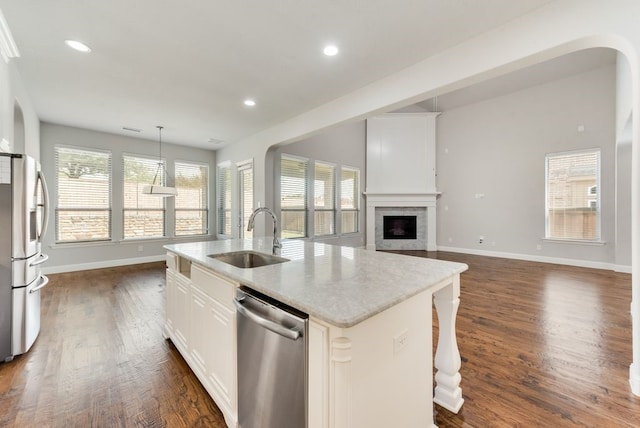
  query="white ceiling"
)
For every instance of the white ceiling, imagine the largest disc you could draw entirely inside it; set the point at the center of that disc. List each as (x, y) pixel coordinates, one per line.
(189, 65)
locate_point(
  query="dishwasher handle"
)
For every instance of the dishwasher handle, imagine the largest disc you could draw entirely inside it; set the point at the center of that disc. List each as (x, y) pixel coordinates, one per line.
(266, 323)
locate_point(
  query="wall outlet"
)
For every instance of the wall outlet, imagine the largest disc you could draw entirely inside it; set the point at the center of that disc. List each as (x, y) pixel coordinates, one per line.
(480, 239)
(140, 248)
(400, 341)
(538, 247)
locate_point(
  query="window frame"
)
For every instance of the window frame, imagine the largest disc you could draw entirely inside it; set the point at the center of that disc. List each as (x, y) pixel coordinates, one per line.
(163, 210)
(589, 197)
(356, 196)
(221, 207)
(58, 209)
(305, 209)
(333, 209)
(241, 169)
(204, 211)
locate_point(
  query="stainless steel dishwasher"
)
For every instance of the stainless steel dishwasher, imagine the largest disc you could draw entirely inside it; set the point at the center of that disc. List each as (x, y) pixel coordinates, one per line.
(272, 362)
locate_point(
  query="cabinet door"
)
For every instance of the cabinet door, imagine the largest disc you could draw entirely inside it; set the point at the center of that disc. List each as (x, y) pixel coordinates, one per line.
(181, 310)
(222, 365)
(169, 303)
(200, 338)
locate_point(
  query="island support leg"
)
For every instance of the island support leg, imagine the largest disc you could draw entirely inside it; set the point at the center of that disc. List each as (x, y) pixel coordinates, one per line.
(341, 372)
(447, 361)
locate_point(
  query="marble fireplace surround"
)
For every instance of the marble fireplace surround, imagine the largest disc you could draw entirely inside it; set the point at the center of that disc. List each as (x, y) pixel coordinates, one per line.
(380, 204)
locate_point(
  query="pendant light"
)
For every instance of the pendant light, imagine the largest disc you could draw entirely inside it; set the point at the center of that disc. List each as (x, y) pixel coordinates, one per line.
(159, 189)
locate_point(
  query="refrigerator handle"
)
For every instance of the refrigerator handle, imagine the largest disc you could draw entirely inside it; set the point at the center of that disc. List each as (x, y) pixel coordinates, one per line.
(45, 206)
(43, 284)
(43, 258)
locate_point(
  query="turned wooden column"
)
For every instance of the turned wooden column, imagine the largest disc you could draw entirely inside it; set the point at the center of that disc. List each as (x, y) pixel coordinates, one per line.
(447, 361)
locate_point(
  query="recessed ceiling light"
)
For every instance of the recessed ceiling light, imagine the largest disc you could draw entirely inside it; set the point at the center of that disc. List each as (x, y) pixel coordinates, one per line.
(215, 141)
(249, 102)
(79, 46)
(330, 50)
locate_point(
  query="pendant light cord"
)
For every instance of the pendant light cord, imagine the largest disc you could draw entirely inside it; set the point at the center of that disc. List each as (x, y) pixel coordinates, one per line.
(160, 164)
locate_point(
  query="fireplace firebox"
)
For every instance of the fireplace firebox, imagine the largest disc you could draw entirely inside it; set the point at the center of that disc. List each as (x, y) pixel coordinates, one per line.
(399, 227)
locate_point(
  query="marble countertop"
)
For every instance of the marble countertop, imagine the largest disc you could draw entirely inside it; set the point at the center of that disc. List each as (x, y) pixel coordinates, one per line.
(342, 286)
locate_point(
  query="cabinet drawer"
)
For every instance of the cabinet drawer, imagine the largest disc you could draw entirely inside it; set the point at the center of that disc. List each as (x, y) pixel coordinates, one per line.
(214, 286)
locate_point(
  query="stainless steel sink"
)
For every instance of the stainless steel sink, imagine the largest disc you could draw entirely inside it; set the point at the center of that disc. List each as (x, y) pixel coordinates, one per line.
(248, 259)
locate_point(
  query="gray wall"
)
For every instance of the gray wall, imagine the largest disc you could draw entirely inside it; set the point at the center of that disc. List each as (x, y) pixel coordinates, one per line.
(65, 257)
(344, 146)
(497, 148)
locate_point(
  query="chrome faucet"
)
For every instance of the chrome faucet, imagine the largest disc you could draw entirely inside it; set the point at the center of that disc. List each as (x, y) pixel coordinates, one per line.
(276, 243)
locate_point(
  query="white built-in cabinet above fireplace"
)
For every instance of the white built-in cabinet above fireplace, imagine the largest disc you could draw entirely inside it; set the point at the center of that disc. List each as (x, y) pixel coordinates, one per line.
(401, 171)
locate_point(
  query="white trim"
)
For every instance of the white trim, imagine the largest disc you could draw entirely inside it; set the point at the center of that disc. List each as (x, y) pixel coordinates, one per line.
(8, 47)
(541, 259)
(103, 264)
(573, 241)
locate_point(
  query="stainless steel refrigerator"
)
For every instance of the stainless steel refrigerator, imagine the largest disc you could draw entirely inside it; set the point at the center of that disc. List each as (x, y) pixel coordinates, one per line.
(23, 222)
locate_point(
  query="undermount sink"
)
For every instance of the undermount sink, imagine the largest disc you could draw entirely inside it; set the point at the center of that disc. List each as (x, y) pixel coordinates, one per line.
(248, 259)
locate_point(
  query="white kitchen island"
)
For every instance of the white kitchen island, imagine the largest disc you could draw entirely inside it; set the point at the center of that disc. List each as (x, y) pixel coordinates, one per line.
(370, 329)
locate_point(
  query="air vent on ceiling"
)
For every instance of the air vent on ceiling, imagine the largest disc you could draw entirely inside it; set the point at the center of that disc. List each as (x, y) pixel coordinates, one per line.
(126, 128)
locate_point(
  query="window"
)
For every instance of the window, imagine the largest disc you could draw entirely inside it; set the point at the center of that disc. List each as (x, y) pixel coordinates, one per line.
(83, 197)
(245, 184)
(223, 182)
(324, 190)
(143, 215)
(293, 196)
(573, 200)
(192, 201)
(349, 199)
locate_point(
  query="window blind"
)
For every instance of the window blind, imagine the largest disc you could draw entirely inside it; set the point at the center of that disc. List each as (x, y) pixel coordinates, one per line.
(223, 203)
(349, 199)
(191, 203)
(293, 196)
(245, 178)
(143, 215)
(83, 197)
(324, 190)
(573, 195)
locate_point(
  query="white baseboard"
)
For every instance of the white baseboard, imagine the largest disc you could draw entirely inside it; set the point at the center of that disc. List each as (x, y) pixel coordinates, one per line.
(541, 259)
(103, 264)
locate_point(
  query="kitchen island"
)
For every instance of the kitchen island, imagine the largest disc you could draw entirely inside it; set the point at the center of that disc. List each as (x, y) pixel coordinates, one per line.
(370, 329)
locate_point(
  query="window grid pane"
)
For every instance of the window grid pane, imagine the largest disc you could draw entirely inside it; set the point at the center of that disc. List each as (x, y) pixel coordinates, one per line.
(223, 180)
(191, 203)
(143, 215)
(293, 197)
(573, 197)
(83, 195)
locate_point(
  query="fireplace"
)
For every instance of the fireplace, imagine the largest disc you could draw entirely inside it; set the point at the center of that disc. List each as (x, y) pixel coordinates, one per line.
(411, 223)
(399, 227)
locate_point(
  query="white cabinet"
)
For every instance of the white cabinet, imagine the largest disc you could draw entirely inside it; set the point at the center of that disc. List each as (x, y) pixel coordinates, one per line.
(201, 322)
(177, 302)
(216, 327)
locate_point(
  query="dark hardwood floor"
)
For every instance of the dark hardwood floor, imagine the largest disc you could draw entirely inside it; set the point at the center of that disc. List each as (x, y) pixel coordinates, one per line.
(101, 360)
(541, 345)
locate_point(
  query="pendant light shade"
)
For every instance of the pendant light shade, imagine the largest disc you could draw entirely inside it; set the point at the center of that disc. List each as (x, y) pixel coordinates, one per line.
(158, 188)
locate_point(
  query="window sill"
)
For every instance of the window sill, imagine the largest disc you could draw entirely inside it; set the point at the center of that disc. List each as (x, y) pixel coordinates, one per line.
(130, 241)
(574, 242)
